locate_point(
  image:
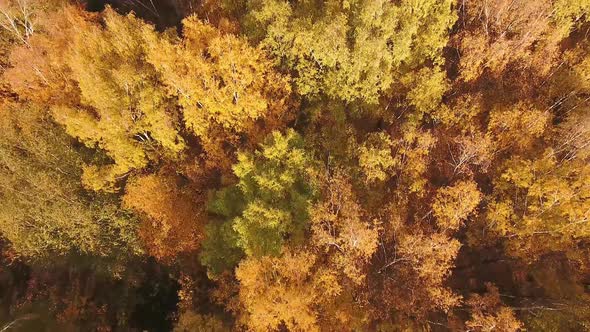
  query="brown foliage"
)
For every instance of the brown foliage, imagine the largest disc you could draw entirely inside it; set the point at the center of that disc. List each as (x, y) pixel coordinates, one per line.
(341, 227)
(171, 214)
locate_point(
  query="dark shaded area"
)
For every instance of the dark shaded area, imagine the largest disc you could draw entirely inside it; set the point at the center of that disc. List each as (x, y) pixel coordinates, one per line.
(95, 5)
(157, 299)
(14, 276)
(162, 13)
(78, 294)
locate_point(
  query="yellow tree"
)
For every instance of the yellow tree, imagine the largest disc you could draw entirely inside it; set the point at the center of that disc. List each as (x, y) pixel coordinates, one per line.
(224, 86)
(488, 313)
(125, 109)
(452, 205)
(427, 89)
(422, 262)
(541, 205)
(278, 291)
(375, 158)
(412, 156)
(517, 126)
(342, 229)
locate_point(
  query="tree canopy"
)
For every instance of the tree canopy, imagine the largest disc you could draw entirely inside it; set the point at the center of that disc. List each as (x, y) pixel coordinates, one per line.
(274, 165)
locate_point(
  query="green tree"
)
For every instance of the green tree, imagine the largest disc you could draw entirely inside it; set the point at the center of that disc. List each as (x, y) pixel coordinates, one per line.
(351, 50)
(44, 210)
(269, 204)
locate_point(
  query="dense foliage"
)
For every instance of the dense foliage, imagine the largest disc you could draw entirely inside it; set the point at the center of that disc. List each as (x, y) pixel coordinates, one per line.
(274, 165)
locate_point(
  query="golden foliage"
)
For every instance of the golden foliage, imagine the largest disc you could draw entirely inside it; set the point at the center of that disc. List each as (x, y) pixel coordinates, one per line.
(488, 313)
(276, 291)
(452, 205)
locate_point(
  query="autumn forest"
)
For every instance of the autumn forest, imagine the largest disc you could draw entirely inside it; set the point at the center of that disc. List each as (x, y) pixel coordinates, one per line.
(295, 165)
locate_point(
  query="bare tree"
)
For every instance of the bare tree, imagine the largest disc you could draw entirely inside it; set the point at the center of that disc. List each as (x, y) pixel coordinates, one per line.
(15, 322)
(17, 17)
